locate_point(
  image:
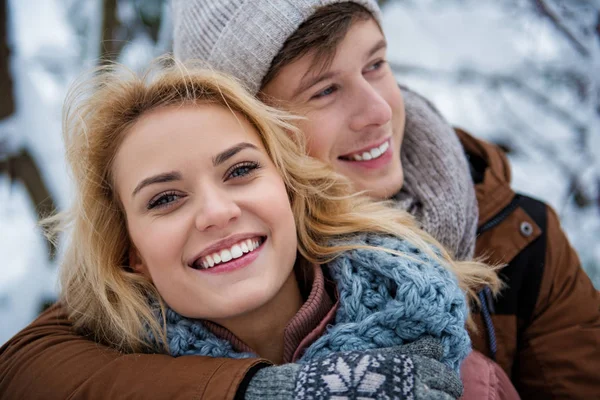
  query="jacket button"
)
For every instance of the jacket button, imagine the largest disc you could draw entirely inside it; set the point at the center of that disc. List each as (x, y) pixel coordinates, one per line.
(526, 229)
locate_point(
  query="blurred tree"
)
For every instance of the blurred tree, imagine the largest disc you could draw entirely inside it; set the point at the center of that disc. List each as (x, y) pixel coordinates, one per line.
(7, 105)
(20, 165)
(541, 82)
(110, 46)
(124, 20)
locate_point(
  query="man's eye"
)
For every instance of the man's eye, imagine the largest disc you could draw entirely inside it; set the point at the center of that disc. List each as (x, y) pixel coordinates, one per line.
(163, 200)
(241, 170)
(326, 92)
(375, 66)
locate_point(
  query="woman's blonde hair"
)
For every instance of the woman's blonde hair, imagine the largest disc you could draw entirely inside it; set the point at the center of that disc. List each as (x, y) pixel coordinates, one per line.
(103, 295)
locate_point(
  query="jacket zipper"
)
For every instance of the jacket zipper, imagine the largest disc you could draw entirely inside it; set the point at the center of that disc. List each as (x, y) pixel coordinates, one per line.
(505, 212)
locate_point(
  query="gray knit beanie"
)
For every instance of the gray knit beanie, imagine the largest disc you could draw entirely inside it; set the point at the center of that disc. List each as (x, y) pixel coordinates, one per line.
(242, 37)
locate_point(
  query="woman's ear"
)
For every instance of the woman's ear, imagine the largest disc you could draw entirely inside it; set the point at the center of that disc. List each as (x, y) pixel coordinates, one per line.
(136, 263)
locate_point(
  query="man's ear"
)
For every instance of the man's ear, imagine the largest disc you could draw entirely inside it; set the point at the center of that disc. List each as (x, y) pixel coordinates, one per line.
(136, 263)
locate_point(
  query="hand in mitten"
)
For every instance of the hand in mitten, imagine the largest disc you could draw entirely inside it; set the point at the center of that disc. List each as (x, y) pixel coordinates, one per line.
(411, 371)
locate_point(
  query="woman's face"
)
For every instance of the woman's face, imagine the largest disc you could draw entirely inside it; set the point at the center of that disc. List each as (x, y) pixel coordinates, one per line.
(207, 211)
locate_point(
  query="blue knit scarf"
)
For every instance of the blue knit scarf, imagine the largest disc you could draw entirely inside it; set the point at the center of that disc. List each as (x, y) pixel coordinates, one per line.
(385, 300)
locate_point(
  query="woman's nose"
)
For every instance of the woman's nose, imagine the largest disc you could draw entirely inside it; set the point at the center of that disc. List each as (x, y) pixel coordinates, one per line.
(371, 108)
(217, 209)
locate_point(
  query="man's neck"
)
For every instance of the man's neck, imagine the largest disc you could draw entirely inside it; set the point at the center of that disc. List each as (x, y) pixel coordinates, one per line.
(263, 329)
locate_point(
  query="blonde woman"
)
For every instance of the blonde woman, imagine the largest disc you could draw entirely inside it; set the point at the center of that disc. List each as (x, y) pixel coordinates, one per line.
(201, 228)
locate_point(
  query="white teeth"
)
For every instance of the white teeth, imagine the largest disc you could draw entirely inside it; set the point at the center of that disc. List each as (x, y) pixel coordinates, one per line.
(383, 148)
(236, 251)
(372, 154)
(225, 255)
(375, 152)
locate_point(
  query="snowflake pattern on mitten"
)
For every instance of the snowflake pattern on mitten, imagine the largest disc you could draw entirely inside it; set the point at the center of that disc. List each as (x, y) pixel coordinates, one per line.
(357, 375)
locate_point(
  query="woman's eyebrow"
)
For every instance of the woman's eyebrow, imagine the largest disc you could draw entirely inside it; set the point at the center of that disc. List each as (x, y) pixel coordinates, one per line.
(176, 176)
(160, 178)
(230, 152)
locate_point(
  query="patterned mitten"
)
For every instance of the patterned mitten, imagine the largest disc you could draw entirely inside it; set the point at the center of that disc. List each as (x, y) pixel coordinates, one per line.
(411, 371)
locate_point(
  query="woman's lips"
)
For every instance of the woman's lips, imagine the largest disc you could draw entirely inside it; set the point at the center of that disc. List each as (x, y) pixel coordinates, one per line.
(233, 263)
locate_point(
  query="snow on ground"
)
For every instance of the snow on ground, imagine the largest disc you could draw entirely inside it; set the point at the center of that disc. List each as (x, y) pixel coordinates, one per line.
(48, 55)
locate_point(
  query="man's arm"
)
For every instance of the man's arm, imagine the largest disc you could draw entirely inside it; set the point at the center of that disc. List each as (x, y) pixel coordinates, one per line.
(559, 352)
(47, 360)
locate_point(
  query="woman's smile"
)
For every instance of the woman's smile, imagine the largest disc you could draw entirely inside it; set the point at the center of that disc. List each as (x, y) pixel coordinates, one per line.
(227, 258)
(207, 210)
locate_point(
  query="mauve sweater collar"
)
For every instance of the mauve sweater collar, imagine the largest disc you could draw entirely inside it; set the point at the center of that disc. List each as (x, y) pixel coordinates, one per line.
(306, 326)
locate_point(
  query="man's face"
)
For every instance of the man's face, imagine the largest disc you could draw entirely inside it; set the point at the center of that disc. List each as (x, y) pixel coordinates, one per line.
(354, 109)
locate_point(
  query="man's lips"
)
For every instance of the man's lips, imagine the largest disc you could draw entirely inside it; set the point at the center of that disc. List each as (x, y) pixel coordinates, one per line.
(368, 153)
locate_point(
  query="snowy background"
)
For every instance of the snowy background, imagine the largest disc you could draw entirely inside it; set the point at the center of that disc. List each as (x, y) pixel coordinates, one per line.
(522, 73)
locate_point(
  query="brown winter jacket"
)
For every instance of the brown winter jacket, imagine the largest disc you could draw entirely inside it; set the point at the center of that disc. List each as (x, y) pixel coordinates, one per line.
(555, 355)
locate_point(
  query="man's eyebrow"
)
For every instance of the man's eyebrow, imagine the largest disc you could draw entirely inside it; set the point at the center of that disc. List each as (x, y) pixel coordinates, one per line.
(382, 44)
(160, 178)
(313, 81)
(232, 151)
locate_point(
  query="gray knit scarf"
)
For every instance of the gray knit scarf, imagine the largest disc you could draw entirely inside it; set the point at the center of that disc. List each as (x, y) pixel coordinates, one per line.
(438, 189)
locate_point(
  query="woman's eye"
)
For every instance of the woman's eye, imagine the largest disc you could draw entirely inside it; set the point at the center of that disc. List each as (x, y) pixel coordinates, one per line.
(163, 200)
(326, 92)
(241, 170)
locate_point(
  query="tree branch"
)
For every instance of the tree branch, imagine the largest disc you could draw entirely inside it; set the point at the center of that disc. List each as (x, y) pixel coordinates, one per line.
(546, 12)
(23, 167)
(494, 81)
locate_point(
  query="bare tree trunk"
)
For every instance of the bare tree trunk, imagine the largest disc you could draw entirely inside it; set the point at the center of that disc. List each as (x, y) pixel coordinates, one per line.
(22, 167)
(109, 46)
(7, 105)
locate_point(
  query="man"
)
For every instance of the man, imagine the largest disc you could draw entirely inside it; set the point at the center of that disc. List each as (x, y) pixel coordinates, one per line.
(326, 60)
(329, 65)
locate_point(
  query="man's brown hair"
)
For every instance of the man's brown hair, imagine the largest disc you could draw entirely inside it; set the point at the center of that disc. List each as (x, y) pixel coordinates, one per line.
(320, 34)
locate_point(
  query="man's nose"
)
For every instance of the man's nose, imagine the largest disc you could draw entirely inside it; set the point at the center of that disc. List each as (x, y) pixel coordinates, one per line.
(370, 109)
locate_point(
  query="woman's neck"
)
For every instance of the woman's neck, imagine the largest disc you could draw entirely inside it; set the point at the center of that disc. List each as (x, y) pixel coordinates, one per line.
(263, 329)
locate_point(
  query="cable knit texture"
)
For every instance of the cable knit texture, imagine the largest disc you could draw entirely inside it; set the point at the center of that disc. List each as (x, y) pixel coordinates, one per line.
(241, 37)
(438, 189)
(385, 300)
